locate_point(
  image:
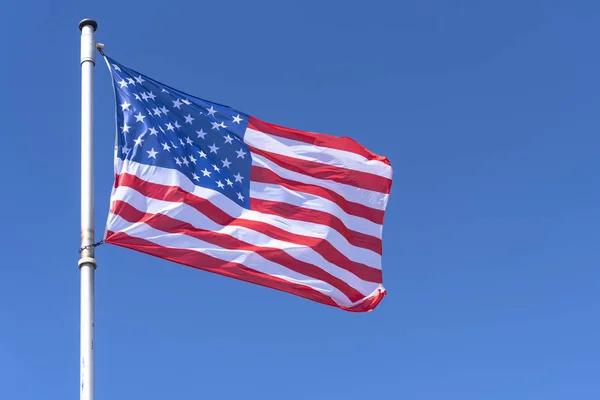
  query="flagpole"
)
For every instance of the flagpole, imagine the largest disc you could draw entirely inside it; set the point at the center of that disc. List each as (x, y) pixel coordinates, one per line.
(87, 263)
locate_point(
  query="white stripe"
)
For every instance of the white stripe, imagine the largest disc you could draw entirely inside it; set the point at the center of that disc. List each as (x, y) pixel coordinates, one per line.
(273, 192)
(183, 212)
(365, 197)
(171, 177)
(247, 258)
(322, 155)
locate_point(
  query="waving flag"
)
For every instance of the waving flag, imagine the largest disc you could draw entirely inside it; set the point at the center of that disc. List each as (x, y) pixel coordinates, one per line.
(210, 187)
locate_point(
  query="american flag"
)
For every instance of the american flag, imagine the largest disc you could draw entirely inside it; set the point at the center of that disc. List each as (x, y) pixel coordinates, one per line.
(207, 186)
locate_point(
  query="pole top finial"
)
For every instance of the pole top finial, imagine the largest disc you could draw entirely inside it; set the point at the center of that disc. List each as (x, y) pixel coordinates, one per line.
(88, 21)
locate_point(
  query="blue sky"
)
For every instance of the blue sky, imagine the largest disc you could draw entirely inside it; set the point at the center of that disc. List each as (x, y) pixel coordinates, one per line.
(488, 112)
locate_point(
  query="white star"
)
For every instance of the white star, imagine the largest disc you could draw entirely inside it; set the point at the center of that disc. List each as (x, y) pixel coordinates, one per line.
(241, 153)
(138, 141)
(156, 111)
(213, 148)
(144, 96)
(205, 172)
(222, 125)
(177, 161)
(177, 125)
(123, 83)
(237, 119)
(186, 162)
(211, 111)
(173, 145)
(220, 184)
(153, 131)
(166, 147)
(202, 154)
(161, 129)
(189, 119)
(196, 177)
(164, 110)
(201, 133)
(238, 177)
(116, 67)
(130, 81)
(215, 125)
(216, 168)
(165, 91)
(177, 104)
(139, 79)
(139, 117)
(228, 182)
(125, 127)
(151, 96)
(188, 140)
(152, 153)
(228, 139)
(137, 97)
(125, 106)
(226, 163)
(169, 127)
(240, 197)
(192, 159)
(125, 150)
(181, 142)
(186, 102)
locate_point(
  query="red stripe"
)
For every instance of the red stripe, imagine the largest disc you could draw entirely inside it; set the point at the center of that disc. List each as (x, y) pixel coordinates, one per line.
(264, 175)
(291, 211)
(321, 246)
(230, 269)
(317, 139)
(167, 224)
(359, 179)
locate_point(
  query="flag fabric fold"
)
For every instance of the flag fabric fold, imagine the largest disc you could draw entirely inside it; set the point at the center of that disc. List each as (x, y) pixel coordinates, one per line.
(207, 186)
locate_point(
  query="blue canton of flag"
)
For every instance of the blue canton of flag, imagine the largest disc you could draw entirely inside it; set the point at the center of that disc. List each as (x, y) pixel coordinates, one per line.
(162, 126)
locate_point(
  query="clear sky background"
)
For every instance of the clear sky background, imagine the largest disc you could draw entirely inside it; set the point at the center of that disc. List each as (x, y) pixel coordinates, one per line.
(489, 114)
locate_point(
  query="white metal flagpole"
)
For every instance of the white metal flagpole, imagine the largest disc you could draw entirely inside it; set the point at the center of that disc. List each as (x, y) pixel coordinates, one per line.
(87, 263)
